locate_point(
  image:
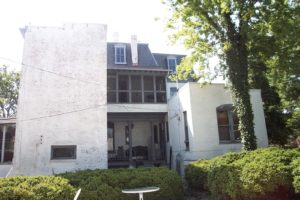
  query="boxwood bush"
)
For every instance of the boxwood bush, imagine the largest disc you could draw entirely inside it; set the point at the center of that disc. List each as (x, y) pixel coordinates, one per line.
(269, 173)
(35, 188)
(107, 184)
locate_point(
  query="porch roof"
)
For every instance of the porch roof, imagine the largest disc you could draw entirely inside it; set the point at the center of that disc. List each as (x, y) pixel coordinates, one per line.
(136, 116)
(8, 120)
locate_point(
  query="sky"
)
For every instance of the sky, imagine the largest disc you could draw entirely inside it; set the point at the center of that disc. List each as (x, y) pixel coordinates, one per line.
(144, 18)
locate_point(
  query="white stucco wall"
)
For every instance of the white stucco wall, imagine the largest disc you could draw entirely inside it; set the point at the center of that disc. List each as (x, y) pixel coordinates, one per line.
(62, 99)
(200, 103)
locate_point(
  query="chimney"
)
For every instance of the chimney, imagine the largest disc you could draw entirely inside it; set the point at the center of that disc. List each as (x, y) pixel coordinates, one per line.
(116, 37)
(134, 50)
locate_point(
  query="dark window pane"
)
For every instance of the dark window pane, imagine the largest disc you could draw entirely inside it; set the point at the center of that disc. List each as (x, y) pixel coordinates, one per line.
(120, 55)
(111, 97)
(123, 97)
(222, 118)
(160, 84)
(136, 83)
(9, 144)
(136, 97)
(123, 83)
(148, 83)
(111, 83)
(224, 133)
(173, 91)
(172, 64)
(149, 97)
(110, 136)
(63, 152)
(161, 97)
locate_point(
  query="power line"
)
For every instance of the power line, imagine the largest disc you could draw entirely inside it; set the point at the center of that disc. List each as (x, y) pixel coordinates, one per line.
(51, 72)
(64, 113)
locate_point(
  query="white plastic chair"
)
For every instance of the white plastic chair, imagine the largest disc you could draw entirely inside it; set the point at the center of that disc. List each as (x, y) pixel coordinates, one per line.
(77, 194)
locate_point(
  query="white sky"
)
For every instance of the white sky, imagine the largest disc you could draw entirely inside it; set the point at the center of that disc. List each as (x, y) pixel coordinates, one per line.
(127, 17)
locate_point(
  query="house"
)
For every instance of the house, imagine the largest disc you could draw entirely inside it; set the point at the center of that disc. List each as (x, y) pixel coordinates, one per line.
(86, 103)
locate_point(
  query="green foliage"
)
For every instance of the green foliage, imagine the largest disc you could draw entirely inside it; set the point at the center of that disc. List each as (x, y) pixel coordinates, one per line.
(196, 174)
(296, 175)
(35, 188)
(270, 173)
(256, 42)
(107, 184)
(9, 86)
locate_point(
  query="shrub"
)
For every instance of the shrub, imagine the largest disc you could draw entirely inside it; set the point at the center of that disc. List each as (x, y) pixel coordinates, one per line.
(35, 188)
(296, 175)
(107, 184)
(269, 173)
(196, 174)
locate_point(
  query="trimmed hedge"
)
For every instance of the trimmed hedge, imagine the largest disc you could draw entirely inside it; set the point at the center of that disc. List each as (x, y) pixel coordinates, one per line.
(107, 184)
(269, 173)
(35, 188)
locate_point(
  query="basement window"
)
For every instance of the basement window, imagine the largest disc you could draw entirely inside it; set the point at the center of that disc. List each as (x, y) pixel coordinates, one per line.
(62, 152)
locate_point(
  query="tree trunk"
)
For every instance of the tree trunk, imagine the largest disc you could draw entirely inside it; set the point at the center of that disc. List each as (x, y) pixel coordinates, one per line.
(237, 61)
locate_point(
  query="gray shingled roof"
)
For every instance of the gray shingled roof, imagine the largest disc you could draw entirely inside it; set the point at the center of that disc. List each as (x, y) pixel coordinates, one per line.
(161, 59)
(146, 59)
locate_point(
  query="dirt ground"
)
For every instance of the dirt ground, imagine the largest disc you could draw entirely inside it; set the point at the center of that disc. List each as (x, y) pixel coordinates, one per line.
(197, 196)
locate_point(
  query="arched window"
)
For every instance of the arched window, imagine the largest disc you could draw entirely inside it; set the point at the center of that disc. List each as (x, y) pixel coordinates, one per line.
(228, 124)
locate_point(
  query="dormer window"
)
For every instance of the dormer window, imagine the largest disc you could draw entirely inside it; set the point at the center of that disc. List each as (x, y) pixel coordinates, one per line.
(120, 54)
(172, 63)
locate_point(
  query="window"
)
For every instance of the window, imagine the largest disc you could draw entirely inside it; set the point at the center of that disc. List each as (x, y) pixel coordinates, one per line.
(160, 89)
(148, 89)
(7, 138)
(136, 89)
(173, 91)
(111, 89)
(120, 54)
(228, 124)
(110, 137)
(126, 88)
(62, 152)
(186, 132)
(123, 88)
(172, 63)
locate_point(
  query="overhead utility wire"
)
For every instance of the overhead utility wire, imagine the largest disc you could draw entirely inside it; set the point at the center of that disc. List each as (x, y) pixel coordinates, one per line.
(63, 113)
(51, 72)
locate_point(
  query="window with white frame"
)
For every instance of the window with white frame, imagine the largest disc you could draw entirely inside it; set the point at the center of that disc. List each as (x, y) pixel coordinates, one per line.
(120, 54)
(228, 124)
(172, 63)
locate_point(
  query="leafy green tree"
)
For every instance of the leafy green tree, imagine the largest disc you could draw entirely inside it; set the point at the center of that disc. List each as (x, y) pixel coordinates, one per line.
(220, 27)
(241, 33)
(274, 62)
(9, 86)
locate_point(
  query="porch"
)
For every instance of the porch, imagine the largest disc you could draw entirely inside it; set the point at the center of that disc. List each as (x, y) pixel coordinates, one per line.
(136, 139)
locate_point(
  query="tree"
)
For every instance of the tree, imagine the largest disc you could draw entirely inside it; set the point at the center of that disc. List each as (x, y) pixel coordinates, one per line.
(244, 35)
(220, 27)
(274, 62)
(9, 86)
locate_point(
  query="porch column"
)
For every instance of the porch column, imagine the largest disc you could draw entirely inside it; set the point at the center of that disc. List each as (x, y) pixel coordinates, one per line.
(130, 144)
(152, 142)
(4, 128)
